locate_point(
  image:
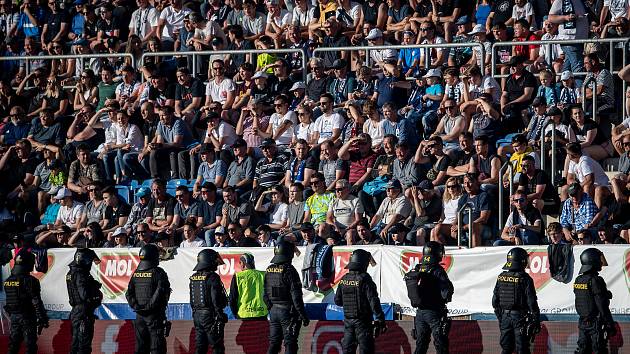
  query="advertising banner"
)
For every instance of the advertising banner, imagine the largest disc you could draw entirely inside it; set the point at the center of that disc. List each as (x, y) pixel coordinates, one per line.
(473, 273)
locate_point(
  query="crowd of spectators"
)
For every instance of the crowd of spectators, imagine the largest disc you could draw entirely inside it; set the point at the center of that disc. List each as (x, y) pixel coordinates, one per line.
(371, 146)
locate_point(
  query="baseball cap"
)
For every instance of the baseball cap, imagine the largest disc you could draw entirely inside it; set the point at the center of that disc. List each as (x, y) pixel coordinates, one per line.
(268, 142)
(62, 193)
(393, 184)
(374, 33)
(260, 74)
(219, 230)
(339, 64)
(433, 73)
(462, 20)
(79, 2)
(120, 231)
(425, 185)
(479, 28)
(566, 75)
(205, 148)
(298, 86)
(239, 143)
(143, 192)
(307, 226)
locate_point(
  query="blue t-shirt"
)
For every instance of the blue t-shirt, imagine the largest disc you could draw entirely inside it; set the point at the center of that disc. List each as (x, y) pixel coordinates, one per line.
(551, 94)
(209, 172)
(481, 15)
(178, 127)
(385, 90)
(78, 22)
(408, 56)
(435, 89)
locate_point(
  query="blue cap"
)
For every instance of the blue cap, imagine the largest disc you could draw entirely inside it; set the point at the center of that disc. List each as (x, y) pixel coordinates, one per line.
(462, 20)
(143, 192)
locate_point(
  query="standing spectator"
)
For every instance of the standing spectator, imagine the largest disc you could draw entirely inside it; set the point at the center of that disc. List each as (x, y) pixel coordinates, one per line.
(523, 225)
(210, 209)
(171, 137)
(144, 21)
(573, 23)
(579, 212)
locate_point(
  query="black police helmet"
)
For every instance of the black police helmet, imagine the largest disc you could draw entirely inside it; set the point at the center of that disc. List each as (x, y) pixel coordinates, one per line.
(592, 259)
(517, 259)
(208, 259)
(84, 257)
(433, 252)
(149, 257)
(283, 252)
(359, 260)
(24, 262)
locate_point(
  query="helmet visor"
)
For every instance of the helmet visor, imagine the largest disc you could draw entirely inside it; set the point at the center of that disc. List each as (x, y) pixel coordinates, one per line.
(220, 260)
(603, 260)
(372, 261)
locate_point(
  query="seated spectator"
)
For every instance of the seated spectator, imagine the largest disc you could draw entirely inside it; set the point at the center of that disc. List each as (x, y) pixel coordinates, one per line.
(484, 121)
(603, 88)
(189, 93)
(49, 175)
(46, 133)
(18, 167)
(404, 129)
(385, 89)
(555, 235)
(408, 57)
(210, 170)
(523, 225)
(550, 56)
(233, 211)
(171, 137)
(450, 198)
(398, 234)
(579, 212)
(394, 208)
(94, 210)
(116, 210)
(120, 239)
(479, 202)
(190, 236)
(139, 210)
(366, 236)
(69, 215)
(330, 165)
(16, 128)
(518, 92)
(590, 135)
(460, 157)
(607, 235)
(520, 150)
(220, 88)
(170, 23)
(427, 204)
(295, 207)
(328, 125)
(107, 86)
(144, 236)
(300, 167)
(160, 210)
(241, 172)
(358, 152)
(584, 238)
(252, 124)
(342, 84)
(430, 152)
(91, 237)
(460, 56)
(210, 210)
(620, 181)
(264, 236)
(316, 206)
(345, 212)
(186, 210)
(537, 186)
(222, 240)
(588, 173)
(570, 93)
(431, 57)
(282, 123)
(127, 138)
(534, 130)
(235, 232)
(271, 169)
(522, 33)
(58, 238)
(450, 126)
(276, 211)
(405, 169)
(304, 128)
(548, 89)
(83, 172)
(318, 85)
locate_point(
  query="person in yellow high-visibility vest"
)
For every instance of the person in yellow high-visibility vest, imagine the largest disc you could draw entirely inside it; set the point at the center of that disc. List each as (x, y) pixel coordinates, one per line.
(246, 291)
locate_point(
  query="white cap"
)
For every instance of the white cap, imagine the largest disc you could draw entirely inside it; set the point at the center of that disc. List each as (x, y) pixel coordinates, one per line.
(120, 231)
(260, 74)
(566, 75)
(374, 33)
(479, 28)
(62, 193)
(433, 73)
(298, 85)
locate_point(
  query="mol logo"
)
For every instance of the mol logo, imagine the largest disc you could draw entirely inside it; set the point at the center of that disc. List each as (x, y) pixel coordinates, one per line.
(231, 267)
(115, 271)
(539, 268)
(409, 259)
(342, 258)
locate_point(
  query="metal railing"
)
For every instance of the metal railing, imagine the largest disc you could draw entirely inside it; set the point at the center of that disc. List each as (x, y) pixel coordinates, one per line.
(611, 42)
(29, 58)
(506, 166)
(194, 54)
(587, 82)
(460, 221)
(412, 46)
(543, 156)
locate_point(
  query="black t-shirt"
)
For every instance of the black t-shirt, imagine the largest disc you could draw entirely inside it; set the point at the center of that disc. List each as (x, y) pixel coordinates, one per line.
(263, 95)
(515, 87)
(149, 129)
(16, 171)
(247, 242)
(502, 11)
(54, 21)
(589, 124)
(109, 28)
(466, 7)
(113, 215)
(446, 8)
(159, 210)
(186, 94)
(540, 178)
(55, 102)
(460, 158)
(316, 88)
(122, 14)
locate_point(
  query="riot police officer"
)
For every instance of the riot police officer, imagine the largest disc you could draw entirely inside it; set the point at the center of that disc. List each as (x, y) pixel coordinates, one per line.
(283, 297)
(24, 304)
(429, 289)
(358, 295)
(208, 299)
(85, 297)
(515, 303)
(592, 301)
(147, 294)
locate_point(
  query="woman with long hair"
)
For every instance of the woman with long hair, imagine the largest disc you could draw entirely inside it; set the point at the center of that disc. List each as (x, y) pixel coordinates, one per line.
(372, 125)
(304, 129)
(442, 231)
(55, 97)
(62, 68)
(134, 47)
(93, 237)
(86, 90)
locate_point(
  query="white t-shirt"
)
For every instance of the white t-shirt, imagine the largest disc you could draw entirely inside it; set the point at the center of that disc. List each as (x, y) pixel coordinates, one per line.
(375, 131)
(278, 213)
(282, 20)
(277, 120)
(617, 8)
(69, 216)
(347, 17)
(212, 29)
(450, 211)
(173, 20)
(303, 18)
(487, 83)
(522, 12)
(325, 124)
(587, 166)
(225, 130)
(301, 132)
(142, 20)
(344, 210)
(550, 51)
(197, 242)
(431, 52)
(219, 92)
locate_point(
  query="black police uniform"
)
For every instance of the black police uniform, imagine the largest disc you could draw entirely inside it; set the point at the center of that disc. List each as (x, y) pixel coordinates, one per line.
(147, 294)
(24, 304)
(358, 295)
(208, 299)
(515, 303)
(592, 301)
(432, 291)
(85, 297)
(283, 297)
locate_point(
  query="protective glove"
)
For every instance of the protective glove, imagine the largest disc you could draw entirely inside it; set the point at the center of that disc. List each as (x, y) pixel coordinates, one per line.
(41, 324)
(380, 327)
(305, 322)
(611, 329)
(222, 317)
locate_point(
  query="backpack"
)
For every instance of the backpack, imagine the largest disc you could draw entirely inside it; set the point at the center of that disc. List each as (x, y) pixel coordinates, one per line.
(415, 280)
(375, 186)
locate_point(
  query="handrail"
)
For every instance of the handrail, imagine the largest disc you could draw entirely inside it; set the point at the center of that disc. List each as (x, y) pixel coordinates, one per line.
(585, 84)
(412, 46)
(624, 84)
(507, 165)
(543, 156)
(493, 56)
(28, 58)
(460, 227)
(194, 54)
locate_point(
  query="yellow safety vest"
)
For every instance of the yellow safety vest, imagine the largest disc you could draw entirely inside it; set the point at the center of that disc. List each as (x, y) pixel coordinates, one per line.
(250, 283)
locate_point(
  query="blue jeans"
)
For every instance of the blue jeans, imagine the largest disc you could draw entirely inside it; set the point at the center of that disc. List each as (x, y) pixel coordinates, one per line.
(208, 236)
(573, 59)
(132, 167)
(108, 162)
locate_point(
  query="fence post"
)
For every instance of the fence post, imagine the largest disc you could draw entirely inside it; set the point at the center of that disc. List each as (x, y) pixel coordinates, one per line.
(506, 166)
(594, 97)
(460, 228)
(543, 156)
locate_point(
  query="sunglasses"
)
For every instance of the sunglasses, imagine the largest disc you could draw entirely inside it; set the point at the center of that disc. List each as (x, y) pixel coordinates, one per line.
(231, 230)
(626, 143)
(519, 200)
(452, 186)
(450, 107)
(426, 29)
(321, 103)
(339, 189)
